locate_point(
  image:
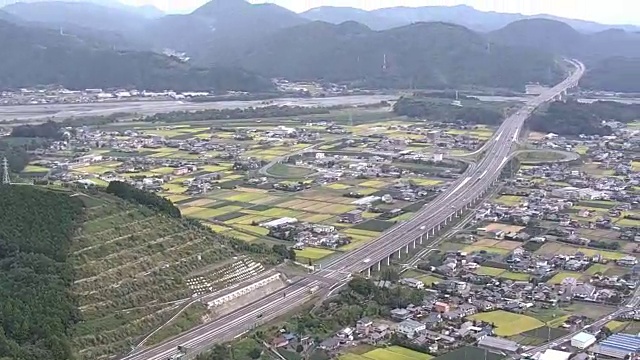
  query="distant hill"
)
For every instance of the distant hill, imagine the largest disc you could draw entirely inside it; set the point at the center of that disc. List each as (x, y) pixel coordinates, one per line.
(612, 56)
(35, 56)
(61, 14)
(433, 55)
(218, 25)
(618, 74)
(462, 15)
(560, 38)
(339, 15)
(147, 11)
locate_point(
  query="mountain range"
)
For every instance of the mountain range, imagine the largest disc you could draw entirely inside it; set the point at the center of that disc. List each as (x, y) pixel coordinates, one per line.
(482, 21)
(434, 55)
(35, 56)
(437, 47)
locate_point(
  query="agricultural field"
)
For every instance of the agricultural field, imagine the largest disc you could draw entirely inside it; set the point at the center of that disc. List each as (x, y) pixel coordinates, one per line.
(389, 353)
(502, 273)
(132, 267)
(173, 159)
(507, 323)
(470, 352)
(567, 249)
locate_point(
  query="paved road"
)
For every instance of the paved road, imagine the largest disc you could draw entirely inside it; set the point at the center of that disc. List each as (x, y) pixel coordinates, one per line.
(461, 194)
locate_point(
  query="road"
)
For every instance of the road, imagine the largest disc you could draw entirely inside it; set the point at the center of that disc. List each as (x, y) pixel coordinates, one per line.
(464, 192)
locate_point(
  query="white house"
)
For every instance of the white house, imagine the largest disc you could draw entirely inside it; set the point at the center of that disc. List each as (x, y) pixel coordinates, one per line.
(411, 327)
(583, 340)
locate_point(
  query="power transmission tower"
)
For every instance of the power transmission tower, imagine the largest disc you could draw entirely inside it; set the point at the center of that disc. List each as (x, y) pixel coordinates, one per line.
(6, 180)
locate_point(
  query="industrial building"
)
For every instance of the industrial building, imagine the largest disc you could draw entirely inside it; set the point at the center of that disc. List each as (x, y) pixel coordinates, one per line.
(618, 346)
(583, 340)
(495, 343)
(551, 354)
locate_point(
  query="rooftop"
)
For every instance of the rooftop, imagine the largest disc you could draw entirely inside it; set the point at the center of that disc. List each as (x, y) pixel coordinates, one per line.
(583, 337)
(623, 342)
(499, 343)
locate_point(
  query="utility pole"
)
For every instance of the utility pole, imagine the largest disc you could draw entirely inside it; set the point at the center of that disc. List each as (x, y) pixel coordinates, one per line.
(6, 180)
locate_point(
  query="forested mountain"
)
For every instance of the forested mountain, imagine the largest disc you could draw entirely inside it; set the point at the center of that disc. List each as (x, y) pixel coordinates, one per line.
(614, 74)
(61, 15)
(217, 26)
(560, 38)
(35, 56)
(148, 11)
(37, 309)
(464, 15)
(338, 15)
(612, 57)
(434, 55)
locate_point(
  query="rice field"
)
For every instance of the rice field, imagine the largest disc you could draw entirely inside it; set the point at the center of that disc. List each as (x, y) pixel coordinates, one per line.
(206, 213)
(559, 277)
(373, 184)
(338, 186)
(507, 323)
(313, 253)
(389, 353)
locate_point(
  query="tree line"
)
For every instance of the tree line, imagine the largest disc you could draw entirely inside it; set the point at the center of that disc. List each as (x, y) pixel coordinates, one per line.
(237, 113)
(48, 130)
(37, 309)
(145, 198)
(437, 111)
(573, 118)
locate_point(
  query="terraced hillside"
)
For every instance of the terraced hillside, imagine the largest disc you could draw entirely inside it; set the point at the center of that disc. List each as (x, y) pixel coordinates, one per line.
(135, 269)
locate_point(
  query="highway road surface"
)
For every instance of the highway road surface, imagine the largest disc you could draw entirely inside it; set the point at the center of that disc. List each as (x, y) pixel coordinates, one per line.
(464, 192)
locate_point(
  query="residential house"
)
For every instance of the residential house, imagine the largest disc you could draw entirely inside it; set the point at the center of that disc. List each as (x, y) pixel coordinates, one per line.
(411, 282)
(400, 314)
(411, 328)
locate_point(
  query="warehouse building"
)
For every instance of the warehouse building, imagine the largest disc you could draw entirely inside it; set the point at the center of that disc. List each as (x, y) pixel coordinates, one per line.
(583, 340)
(495, 343)
(618, 346)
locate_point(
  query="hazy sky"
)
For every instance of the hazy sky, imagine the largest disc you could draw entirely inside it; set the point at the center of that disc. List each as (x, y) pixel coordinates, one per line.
(605, 11)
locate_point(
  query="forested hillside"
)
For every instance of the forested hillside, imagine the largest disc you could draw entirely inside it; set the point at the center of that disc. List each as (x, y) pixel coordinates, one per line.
(421, 55)
(36, 56)
(36, 306)
(574, 118)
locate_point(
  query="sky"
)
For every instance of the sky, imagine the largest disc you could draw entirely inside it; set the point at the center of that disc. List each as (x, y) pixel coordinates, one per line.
(603, 11)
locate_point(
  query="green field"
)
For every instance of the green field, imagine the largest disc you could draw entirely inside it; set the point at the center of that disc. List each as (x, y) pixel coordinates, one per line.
(288, 171)
(508, 324)
(559, 277)
(390, 353)
(313, 253)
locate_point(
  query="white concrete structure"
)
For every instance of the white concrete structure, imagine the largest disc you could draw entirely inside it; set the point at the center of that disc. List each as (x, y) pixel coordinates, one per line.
(437, 157)
(583, 340)
(278, 222)
(366, 200)
(551, 354)
(245, 290)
